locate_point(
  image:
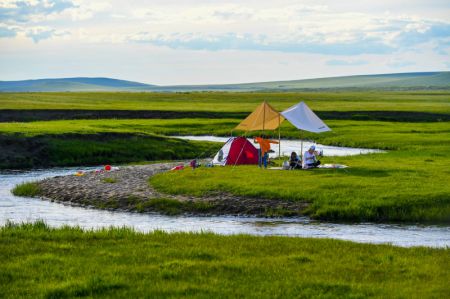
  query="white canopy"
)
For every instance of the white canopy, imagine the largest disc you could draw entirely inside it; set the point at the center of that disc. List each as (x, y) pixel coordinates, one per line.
(305, 119)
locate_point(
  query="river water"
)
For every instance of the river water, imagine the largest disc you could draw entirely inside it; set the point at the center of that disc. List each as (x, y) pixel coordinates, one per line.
(288, 146)
(22, 209)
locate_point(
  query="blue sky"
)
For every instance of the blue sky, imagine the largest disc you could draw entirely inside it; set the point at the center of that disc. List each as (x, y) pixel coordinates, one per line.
(199, 42)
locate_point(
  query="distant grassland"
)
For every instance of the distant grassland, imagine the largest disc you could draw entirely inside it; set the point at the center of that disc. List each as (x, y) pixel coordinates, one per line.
(40, 262)
(424, 101)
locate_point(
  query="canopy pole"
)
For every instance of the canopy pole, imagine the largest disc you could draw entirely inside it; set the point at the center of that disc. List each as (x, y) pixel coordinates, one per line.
(301, 147)
(279, 136)
(264, 117)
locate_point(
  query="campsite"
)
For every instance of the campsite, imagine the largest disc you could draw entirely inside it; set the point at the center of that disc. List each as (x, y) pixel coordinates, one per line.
(224, 149)
(386, 187)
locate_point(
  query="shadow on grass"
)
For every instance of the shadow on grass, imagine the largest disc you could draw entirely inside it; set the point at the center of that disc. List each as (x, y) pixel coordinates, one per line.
(94, 287)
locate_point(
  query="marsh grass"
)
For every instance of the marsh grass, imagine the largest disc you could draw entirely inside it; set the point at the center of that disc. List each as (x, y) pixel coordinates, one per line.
(43, 262)
(30, 189)
(110, 180)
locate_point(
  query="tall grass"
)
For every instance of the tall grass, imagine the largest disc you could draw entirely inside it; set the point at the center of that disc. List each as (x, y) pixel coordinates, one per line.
(43, 262)
(30, 189)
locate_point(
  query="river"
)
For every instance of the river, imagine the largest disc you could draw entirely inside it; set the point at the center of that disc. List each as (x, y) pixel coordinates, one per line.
(22, 209)
(287, 146)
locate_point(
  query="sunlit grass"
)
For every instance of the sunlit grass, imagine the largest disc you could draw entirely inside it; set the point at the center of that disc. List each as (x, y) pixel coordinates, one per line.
(370, 134)
(26, 189)
(41, 262)
(422, 101)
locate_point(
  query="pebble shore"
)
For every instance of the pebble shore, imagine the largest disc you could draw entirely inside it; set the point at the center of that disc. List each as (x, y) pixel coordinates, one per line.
(128, 189)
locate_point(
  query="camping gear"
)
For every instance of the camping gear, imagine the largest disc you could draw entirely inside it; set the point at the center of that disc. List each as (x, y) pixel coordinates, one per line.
(236, 151)
(179, 167)
(264, 117)
(303, 118)
(332, 166)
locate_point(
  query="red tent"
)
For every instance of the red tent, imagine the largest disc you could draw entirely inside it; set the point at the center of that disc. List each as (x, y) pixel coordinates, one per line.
(236, 151)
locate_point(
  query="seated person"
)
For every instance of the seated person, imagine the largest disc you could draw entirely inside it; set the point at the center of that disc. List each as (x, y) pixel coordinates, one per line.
(310, 158)
(294, 162)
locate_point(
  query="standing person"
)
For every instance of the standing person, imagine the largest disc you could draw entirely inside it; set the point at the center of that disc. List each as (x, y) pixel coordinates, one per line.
(264, 145)
(310, 158)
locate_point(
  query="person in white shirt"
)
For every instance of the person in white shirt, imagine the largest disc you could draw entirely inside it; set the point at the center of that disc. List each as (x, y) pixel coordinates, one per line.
(310, 158)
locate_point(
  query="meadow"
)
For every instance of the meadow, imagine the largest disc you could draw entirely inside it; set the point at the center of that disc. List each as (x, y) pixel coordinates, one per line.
(408, 183)
(69, 262)
(416, 101)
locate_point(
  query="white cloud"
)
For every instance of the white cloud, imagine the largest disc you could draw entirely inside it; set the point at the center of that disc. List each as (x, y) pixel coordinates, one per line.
(341, 36)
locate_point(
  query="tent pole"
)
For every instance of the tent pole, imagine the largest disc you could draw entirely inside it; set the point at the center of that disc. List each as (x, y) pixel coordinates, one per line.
(264, 117)
(279, 136)
(301, 147)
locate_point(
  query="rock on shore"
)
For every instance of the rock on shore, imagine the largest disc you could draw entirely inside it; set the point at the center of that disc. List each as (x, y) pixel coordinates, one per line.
(128, 189)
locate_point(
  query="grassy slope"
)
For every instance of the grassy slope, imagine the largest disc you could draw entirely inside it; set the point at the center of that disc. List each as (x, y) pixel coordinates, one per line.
(231, 102)
(94, 149)
(40, 262)
(381, 81)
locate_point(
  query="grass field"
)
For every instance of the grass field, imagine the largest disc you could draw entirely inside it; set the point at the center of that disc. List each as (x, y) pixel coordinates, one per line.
(370, 134)
(407, 184)
(40, 262)
(426, 101)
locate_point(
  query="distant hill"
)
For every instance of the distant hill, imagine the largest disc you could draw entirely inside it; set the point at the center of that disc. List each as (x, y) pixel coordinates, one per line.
(401, 81)
(71, 84)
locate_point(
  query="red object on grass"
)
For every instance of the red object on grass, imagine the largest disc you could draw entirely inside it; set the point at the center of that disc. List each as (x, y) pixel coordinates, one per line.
(107, 167)
(179, 167)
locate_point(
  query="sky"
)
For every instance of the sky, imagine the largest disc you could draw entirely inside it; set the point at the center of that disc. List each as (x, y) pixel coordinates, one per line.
(168, 42)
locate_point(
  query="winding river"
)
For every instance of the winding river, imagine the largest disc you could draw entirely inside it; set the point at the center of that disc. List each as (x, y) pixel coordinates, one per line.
(21, 209)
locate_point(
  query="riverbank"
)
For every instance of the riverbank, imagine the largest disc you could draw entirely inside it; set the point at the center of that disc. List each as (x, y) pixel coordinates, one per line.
(70, 262)
(46, 150)
(127, 189)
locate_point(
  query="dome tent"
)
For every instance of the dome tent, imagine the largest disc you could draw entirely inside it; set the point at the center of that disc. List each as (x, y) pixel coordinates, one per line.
(236, 151)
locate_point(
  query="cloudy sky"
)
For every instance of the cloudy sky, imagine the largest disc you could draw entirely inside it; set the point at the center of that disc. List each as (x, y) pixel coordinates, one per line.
(197, 42)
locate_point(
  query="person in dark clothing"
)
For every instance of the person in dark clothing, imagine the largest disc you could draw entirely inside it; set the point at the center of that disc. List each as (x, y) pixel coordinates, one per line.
(294, 162)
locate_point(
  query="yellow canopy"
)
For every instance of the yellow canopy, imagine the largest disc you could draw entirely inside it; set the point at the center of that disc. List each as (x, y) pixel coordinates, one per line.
(263, 118)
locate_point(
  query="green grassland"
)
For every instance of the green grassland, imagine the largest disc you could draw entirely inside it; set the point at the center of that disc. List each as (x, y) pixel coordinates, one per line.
(421, 101)
(409, 183)
(47, 150)
(369, 134)
(41, 262)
